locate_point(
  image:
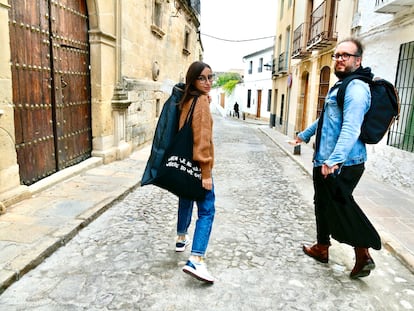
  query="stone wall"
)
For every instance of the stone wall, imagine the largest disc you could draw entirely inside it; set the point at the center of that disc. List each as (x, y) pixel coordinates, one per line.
(9, 170)
(127, 49)
(153, 60)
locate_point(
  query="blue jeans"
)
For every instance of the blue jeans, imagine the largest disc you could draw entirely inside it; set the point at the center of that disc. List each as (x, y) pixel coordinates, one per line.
(205, 211)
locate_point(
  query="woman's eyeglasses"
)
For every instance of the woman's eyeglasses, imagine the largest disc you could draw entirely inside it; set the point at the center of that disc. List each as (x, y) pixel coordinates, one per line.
(204, 79)
(344, 56)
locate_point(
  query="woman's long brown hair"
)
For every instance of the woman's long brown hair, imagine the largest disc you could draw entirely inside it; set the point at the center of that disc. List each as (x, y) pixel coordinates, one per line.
(193, 73)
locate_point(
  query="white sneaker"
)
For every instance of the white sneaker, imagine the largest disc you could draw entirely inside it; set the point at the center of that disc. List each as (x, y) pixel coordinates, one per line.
(199, 271)
(180, 245)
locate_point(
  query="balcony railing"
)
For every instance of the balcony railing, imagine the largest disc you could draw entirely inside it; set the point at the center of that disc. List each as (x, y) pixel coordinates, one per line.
(195, 4)
(322, 32)
(393, 6)
(300, 38)
(282, 63)
(274, 73)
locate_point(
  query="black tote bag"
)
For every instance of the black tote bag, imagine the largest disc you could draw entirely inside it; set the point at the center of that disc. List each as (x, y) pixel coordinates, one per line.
(179, 173)
(167, 128)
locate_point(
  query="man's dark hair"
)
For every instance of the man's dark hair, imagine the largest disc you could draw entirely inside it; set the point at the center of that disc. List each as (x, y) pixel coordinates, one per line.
(359, 45)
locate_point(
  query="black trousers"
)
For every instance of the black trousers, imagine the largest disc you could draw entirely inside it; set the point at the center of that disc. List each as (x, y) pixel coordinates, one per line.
(349, 176)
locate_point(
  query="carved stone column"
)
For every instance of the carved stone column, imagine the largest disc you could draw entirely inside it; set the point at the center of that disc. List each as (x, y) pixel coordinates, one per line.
(120, 104)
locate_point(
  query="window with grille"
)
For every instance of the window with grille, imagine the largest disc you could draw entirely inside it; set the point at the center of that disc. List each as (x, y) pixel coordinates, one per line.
(156, 26)
(249, 98)
(401, 134)
(269, 99)
(186, 48)
(157, 18)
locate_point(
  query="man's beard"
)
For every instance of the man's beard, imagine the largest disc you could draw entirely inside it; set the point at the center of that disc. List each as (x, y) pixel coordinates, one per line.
(346, 73)
(343, 74)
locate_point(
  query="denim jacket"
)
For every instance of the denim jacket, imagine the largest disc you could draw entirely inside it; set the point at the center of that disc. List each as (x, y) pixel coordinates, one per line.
(340, 143)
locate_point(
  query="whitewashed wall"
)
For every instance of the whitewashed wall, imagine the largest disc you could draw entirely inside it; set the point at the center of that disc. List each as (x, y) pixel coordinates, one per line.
(256, 81)
(382, 35)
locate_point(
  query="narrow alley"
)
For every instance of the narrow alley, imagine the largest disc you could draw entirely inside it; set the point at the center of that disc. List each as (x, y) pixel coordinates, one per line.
(126, 260)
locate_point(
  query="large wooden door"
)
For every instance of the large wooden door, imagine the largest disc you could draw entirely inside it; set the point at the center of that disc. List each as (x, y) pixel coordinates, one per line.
(51, 85)
(323, 89)
(259, 103)
(304, 100)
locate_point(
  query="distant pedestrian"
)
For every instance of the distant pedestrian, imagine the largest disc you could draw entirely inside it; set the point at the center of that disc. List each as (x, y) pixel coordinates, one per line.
(339, 164)
(236, 110)
(199, 78)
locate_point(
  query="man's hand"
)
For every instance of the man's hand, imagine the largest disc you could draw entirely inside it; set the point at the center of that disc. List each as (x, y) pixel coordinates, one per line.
(298, 140)
(326, 170)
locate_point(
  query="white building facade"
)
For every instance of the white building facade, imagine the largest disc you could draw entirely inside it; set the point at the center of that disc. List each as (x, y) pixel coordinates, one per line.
(257, 86)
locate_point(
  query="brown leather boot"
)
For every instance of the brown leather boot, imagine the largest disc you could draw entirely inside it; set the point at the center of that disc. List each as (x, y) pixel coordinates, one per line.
(363, 263)
(318, 252)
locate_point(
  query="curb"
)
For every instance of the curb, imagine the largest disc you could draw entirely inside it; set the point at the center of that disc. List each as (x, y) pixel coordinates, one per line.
(62, 236)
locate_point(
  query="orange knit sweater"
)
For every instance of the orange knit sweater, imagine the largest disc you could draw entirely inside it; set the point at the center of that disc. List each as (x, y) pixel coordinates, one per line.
(202, 125)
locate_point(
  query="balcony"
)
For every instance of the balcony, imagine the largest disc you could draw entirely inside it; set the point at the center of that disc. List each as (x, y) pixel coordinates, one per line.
(393, 6)
(300, 38)
(195, 4)
(322, 32)
(282, 64)
(274, 73)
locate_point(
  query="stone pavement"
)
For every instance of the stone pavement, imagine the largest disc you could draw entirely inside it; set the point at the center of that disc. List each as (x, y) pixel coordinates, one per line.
(60, 206)
(391, 210)
(66, 202)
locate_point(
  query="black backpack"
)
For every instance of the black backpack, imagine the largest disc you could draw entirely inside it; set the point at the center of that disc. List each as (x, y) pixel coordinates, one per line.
(384, 110)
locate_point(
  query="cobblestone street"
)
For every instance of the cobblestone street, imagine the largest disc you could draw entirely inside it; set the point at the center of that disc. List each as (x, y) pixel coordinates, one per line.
(126, 259)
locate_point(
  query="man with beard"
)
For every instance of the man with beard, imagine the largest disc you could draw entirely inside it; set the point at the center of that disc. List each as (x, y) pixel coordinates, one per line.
(340, 154)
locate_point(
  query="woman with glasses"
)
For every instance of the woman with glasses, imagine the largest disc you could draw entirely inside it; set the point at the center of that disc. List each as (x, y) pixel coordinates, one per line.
(198, 83)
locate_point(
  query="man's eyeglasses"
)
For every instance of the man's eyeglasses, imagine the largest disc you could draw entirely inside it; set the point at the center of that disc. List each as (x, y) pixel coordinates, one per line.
(344, 56)
(203, 79)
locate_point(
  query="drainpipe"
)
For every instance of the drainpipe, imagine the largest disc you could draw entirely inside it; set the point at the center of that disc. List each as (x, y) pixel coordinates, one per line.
(290, 77)
(118, 41)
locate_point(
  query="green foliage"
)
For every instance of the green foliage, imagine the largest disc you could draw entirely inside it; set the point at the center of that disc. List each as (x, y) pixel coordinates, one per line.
(222, 79)
(230, 86)
(227, 81)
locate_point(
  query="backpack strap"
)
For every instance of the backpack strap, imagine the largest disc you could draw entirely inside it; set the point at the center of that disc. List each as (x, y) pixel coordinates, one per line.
(340, 97)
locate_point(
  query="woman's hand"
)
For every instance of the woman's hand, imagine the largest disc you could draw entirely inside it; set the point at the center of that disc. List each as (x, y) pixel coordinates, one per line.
(207, 183)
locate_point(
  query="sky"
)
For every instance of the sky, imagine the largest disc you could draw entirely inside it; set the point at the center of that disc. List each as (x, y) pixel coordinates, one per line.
(235, 20)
